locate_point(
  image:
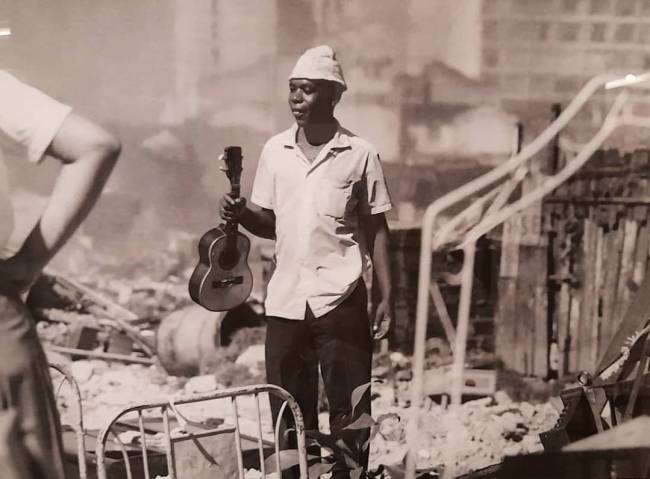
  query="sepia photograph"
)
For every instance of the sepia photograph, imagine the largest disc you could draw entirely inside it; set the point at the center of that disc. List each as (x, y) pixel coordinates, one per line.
(335, 239)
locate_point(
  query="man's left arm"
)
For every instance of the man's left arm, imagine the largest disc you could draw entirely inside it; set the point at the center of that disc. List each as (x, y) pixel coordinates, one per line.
(377, 234)
(88, 153)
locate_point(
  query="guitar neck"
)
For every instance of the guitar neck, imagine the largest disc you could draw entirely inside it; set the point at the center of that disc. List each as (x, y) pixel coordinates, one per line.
(231, 225)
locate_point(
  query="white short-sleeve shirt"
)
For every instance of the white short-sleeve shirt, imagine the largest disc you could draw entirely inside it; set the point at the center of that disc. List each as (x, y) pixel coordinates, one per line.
(29, 119)
(319, 249)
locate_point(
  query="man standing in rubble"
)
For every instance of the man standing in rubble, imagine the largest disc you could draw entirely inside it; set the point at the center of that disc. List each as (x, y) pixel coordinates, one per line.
(41, 126)
(323, 196)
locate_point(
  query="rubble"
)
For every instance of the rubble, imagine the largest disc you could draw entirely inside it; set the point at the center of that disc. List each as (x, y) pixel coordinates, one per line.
(252, 358)
(475, 435)
(201, 384)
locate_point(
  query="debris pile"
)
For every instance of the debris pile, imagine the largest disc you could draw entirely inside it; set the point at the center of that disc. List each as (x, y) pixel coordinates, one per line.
(120, 317)
(477, 434)
(106, 389)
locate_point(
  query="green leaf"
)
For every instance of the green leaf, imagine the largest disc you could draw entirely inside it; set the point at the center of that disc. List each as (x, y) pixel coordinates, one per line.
(351, 460)
(288, 458)
(356, 473)
(330, 442)
(357, 395)
(364, 421)
(319, 468)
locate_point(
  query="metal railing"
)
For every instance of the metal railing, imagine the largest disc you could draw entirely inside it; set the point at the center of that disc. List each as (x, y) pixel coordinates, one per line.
(489, 210)
(169, 440)
(76, 421)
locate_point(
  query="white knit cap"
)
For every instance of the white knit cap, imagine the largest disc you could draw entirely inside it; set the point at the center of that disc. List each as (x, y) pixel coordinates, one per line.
(319, 63)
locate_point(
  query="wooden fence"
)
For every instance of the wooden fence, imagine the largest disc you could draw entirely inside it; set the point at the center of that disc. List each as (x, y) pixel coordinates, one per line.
(570, 266)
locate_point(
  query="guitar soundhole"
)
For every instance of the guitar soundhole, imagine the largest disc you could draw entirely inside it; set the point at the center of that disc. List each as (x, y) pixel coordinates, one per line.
(228, 259)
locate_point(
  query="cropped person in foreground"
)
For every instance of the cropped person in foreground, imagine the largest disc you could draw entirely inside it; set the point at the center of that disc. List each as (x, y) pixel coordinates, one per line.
(41, 126)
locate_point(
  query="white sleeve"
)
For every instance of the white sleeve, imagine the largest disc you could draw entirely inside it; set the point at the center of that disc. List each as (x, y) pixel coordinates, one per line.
(263, 186)
(375, 198)
(29, 117)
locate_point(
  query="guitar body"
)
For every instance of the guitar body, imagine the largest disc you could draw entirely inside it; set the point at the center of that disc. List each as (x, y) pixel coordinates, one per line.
(222, 280)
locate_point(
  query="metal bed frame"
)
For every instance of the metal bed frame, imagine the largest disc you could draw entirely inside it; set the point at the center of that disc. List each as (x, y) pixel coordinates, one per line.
(491, 208)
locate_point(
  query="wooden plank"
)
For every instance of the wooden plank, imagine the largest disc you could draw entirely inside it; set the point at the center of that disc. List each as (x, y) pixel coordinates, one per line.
(505, 321)
(535, 265)
(564, 305)
(626, 270)
(511, 239)
(505, 324)
(635, 317)
(596, 298)
(589, 308)
(604, 218)
(574, 316)
(541, 339)
(612, 262)
(577, 272)
(640, 255)
(561, 258)
(630, 435)
(641, 216)
(583, 343)
(554, 225)
(525, 312)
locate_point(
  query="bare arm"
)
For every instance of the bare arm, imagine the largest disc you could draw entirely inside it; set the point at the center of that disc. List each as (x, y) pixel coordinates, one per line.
(377, 234)
(259, 222)
(88, 154)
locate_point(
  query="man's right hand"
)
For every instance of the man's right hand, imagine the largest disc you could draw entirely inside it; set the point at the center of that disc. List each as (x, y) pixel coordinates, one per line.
(231, 209)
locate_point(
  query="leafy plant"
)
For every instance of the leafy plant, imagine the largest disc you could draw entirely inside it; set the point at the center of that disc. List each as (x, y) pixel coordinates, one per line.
(341, 452)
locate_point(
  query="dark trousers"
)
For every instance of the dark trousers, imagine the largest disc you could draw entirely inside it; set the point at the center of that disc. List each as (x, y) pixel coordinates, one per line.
(341, 342)
(26, 387)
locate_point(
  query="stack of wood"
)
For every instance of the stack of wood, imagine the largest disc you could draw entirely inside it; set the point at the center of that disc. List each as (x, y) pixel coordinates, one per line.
(563, 296)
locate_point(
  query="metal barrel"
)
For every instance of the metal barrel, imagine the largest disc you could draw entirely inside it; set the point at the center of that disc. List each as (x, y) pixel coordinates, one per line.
(186, 337)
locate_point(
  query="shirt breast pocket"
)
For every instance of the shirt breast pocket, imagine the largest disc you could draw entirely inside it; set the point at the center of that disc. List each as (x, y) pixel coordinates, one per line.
(334, 199)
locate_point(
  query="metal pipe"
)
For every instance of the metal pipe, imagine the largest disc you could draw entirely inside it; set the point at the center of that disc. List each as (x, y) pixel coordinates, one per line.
(551, 183)
(260, 445)
(528, 151)
(610, 200)
(125, 457)
(143, 446)
(463, 322)
(300, 435)
(422, 313)
(240, 459)
(443, 313)
(278, 423)
(169, 448)
(78, 426)
(209, 396)
(430, 216)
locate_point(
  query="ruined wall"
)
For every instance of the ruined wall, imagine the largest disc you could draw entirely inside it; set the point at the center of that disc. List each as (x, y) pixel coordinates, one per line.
(536, 53)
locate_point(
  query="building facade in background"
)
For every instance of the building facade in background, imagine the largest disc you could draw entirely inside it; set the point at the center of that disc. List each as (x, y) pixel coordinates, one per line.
(440, 84)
